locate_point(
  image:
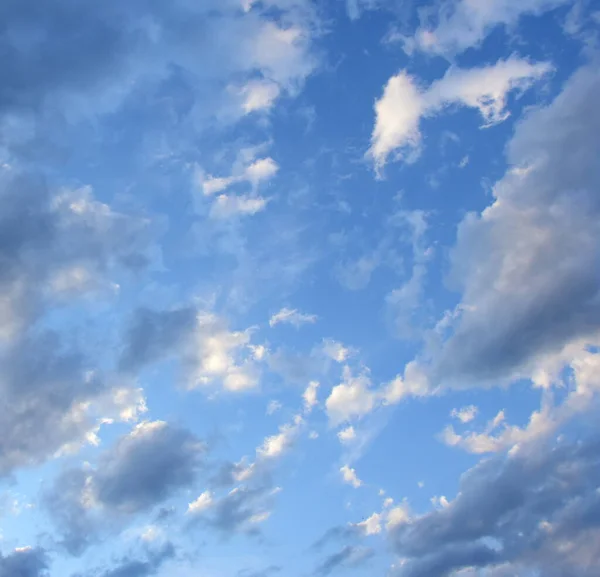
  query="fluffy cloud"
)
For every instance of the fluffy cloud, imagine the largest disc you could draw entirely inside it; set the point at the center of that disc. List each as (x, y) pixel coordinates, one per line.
(356, 396)
(527, 264)
(461, 24)
(403, 104)
(350, 477)
(141, 470)
(209, 353)
(347, 435)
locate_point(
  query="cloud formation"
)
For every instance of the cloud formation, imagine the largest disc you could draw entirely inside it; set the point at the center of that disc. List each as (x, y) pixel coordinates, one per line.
(399, 111)
(527, 264)
(141, 470)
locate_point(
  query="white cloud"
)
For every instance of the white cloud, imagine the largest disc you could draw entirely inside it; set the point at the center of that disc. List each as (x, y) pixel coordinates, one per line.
(261, 170)
(440, 502)
(371, 525)
(202, 503)
(258, 95)
(465, 414)
(292, 317)
(356, 397)
(224, 205)
(276, 445)
(336, 351)
(310, 396)
(403, 104)
(350, 399)
(399, 515)
(349, 476)
(227, 206)
(460, 24)
(413, 383)
(347, 435)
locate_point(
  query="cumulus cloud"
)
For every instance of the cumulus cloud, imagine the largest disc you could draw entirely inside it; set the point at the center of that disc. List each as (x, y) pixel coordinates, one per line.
(350, 477)
(208, 351)
(293, 317)
(356, 397)
(141, 470)
(460, 24)
(527, 264)
(404, 103)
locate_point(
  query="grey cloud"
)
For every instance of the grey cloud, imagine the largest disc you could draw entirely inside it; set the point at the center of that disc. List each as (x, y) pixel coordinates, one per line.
(536, 510)
(140, 471)
(529, 265)
(62, 59)
(137, 568)
(45, 235)
(348, 557)
(53, 248)
(154, 335)
(234, 513)
(267, 572)
(29, 562)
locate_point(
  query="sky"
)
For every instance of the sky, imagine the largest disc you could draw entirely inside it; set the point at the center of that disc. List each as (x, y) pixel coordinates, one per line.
(299, 288)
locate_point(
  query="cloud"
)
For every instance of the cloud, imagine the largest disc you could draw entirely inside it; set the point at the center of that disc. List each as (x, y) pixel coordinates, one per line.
(527, 264)
(60, 243)
(53, 403)
(273, 407)
(24, 562)
(141, 470)
(310, 396)
(115, 48)
(242, 510)
(353, 398)
(347, 435)
(137, 568)
(259, 95)
(348, 557)
(465, 414)
(371, 525)
(203, 502)
(356, 397)
(460, 24)
(542, 518)
(275, 445)
(209, 353)
(403, 104)
(291, 316)
(266, 572)
(349, 476)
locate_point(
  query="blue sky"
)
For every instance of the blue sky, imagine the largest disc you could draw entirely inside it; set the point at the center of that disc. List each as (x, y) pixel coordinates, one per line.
(299, 288)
